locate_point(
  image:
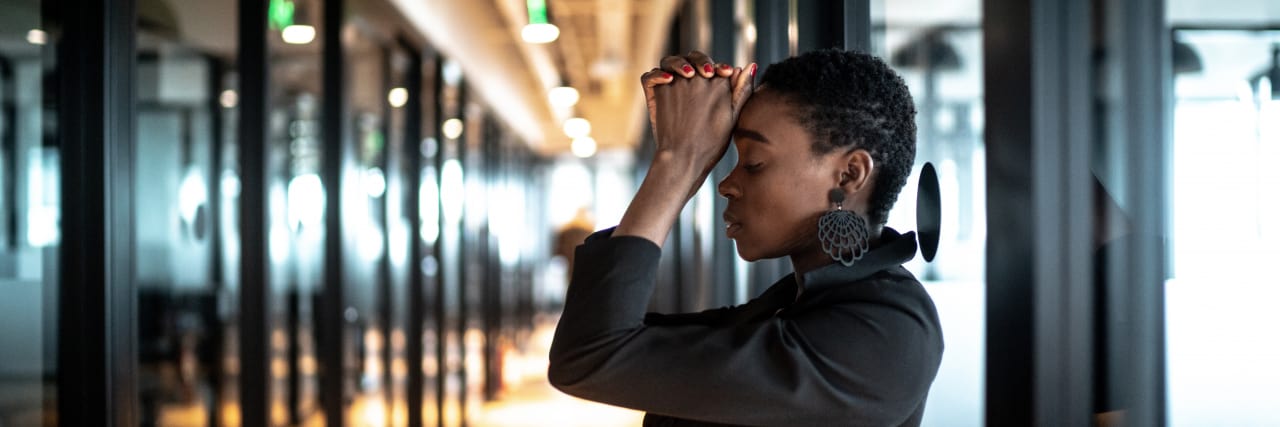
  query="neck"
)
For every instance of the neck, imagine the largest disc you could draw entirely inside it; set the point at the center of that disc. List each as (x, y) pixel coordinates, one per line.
(813, 258)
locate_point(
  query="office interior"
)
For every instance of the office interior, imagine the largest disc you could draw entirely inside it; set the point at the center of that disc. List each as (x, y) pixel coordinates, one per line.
(362, 212)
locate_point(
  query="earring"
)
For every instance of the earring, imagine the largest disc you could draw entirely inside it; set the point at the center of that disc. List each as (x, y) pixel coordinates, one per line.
(843, 233)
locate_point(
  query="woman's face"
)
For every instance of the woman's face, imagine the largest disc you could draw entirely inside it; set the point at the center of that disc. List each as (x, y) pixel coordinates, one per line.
(778, 189)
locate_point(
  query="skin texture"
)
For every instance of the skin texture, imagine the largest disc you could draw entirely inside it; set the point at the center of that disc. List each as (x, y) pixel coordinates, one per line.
(779, 187)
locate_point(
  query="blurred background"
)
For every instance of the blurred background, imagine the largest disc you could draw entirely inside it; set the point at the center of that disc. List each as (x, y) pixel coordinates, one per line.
(362, 212)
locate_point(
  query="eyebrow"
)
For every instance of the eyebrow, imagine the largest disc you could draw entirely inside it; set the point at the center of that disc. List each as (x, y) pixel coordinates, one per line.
(749, 134)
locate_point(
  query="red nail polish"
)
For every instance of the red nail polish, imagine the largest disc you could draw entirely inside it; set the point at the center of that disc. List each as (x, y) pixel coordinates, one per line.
(706, 68)
(724, 66)
(753, 70)
(666, 75)
(688, 69)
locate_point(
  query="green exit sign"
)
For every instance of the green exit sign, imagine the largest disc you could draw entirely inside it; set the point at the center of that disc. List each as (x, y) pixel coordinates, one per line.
(280, 14)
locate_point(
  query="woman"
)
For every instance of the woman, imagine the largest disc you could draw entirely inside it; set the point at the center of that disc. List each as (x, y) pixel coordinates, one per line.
(824, 144)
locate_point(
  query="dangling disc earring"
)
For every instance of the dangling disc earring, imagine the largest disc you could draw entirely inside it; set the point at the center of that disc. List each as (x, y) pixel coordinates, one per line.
(843, 233)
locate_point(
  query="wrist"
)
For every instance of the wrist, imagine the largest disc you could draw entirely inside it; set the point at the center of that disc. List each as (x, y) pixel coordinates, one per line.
(674, 168)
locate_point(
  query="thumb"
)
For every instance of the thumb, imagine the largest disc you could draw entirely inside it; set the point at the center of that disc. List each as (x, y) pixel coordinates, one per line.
(743, 86)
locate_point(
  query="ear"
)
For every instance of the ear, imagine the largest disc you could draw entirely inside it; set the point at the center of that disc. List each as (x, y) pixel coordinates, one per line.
(855, 172)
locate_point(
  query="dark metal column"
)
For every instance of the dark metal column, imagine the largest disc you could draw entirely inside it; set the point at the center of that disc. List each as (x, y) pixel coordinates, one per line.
(96, 357)
(1039, 281)
(843, 24)
(1062, 111)
(772, 42)
(437, 250)
(255, 351)
(1137, 58)
(332, 368)
(1006, 55)
(413, 181)
(857, 25)
(216, 375)
(463, 259)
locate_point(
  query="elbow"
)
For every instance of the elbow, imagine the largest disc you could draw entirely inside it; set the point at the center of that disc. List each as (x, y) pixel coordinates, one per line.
(560, 371)
(565, 378)
(557, 375)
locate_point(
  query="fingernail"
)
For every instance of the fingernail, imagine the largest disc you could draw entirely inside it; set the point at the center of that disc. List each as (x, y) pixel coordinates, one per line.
(706, 68)
(753, 70)
(688, 69)
(666, 75)
(724, 66)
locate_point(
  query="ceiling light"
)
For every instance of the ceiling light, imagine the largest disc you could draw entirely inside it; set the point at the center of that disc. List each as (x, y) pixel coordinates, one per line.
(452, 72)
(452, 128)
(583, 147)
(37, 37)
(298, 34)
(375, 182)
(398, 97)
(539, 29)
(563, 96)
(577, 127)
(540, 33)
(228, 98)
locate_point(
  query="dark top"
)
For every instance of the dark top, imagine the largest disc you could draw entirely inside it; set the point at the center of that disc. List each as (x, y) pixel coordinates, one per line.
(860, 346)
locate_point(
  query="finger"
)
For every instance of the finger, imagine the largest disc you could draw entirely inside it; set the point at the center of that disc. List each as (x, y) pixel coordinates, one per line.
(677, 65)
(655, 77)
(743, 86)
(703, 63)
(724, 70)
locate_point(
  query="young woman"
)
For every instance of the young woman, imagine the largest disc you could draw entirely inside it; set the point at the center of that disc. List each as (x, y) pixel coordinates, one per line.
(825, 142)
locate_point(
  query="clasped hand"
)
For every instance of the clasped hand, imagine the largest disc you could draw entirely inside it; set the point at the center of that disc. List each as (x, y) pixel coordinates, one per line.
(693, 104)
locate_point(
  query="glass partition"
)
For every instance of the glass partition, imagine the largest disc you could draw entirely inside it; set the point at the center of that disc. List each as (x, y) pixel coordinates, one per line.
(184, 250)
(29, 215)
(1225, 226)
(936, 46)
(296, 212)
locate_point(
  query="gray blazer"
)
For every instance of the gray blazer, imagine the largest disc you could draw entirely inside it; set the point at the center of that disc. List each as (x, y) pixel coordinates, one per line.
(859, 347)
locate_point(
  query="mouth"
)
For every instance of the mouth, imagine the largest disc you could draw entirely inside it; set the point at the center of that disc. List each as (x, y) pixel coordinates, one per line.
(731, 225)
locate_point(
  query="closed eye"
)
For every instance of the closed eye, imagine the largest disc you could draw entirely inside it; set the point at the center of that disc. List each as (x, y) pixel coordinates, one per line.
(752, 168)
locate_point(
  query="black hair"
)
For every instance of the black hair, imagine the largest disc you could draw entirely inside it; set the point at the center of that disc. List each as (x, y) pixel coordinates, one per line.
(853, 100)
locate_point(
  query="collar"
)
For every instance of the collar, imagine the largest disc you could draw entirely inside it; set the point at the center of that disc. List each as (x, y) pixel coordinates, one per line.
(894, 250)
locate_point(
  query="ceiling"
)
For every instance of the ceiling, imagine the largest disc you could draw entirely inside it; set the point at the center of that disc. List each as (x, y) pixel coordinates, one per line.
(604, 46)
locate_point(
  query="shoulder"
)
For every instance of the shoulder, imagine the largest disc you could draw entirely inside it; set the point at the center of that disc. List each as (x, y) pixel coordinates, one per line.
(894, 289)
(890, 309)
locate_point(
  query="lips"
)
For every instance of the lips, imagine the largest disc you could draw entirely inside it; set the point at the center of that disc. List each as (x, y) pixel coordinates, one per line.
(731, 224)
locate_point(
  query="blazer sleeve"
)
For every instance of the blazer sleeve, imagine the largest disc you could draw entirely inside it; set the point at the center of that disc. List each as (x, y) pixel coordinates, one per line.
(859, 364)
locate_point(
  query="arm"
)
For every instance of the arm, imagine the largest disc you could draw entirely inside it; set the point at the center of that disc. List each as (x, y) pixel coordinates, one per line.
(857, 363)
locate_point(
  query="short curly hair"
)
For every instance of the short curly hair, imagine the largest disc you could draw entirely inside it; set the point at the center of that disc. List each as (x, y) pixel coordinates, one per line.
(848, 99)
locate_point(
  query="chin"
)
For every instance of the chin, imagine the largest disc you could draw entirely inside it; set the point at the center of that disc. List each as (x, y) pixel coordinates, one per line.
(745, 252)
(750, 252)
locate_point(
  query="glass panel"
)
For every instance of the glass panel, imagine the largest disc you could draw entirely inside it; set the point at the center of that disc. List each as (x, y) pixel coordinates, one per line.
(366, 216)
(936, 46)
(185, 96)
(397, 242)
(452, 197)
(1225, 228)
(295, 212)
(29, 210)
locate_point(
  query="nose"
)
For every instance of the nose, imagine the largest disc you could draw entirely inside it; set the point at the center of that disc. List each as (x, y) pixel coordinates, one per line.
(728, 187)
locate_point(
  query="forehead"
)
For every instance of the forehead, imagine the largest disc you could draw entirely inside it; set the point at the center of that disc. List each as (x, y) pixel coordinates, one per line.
(770, 115)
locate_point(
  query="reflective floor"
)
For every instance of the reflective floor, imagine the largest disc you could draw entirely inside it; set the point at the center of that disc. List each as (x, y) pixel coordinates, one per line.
(530, 401)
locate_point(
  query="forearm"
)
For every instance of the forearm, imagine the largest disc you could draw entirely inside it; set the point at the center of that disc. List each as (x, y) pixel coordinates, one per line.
(665, 190)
